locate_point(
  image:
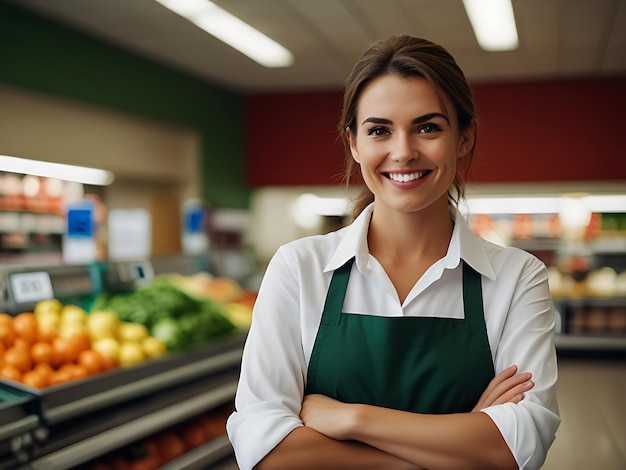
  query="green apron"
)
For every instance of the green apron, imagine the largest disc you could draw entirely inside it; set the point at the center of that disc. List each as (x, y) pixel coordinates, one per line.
(418, 364)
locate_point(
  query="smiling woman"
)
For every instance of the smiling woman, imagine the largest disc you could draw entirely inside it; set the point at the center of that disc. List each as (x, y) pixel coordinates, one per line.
(402, 340)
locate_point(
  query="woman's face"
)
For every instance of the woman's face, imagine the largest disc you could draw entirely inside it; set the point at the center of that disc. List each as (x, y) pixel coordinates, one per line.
(406, 144)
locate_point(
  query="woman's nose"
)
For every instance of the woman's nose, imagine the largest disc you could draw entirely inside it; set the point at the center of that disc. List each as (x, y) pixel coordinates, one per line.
(404, 148)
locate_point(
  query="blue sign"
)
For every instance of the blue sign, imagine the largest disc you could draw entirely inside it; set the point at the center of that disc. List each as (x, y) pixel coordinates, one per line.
(80, 223)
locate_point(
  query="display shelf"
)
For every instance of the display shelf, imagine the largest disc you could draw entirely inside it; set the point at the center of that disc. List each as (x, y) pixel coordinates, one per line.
(78, 421)
(205, 456)
(18, 420)
(601, 302)
(69, 424)
(571, 342)
(106, 432)
(117, 386)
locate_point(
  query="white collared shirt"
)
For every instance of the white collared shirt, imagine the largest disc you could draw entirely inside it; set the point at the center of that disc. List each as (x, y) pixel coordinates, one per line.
(518, 314)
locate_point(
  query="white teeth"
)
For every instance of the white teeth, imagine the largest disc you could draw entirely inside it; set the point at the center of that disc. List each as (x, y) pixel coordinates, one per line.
(406, 177)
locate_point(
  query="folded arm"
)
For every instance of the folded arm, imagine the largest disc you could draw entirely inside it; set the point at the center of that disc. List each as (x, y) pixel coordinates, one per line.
(460, 440)
(306, 449)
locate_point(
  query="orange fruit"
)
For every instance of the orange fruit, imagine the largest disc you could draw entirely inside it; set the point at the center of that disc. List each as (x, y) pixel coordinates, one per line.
(5, 318)
(19, 358)
(74, 371)
(60, 376)
(42, 352)
(21, 343)
(10, 372)
(34, 379)
(65, 350)
(80, 340)
(25, 326)
(47, 333)
(109, 362)
(7, 334)
(45, 370)
(91, 360)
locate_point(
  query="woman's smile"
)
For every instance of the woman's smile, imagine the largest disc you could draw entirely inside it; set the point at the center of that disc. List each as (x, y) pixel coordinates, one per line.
(406, 177)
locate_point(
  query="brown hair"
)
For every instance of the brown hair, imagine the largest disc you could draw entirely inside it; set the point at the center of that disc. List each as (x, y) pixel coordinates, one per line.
(407, 56)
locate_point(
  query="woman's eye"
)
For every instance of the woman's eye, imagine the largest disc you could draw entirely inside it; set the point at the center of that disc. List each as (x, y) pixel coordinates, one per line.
(428, 128)
(377, 131)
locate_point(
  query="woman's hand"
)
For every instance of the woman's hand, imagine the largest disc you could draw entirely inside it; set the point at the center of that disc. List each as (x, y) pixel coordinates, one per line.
(327, 415)
(506, 387)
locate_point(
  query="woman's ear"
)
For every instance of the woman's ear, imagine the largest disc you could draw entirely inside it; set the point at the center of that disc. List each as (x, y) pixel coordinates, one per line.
(352, 141)
(467, 140)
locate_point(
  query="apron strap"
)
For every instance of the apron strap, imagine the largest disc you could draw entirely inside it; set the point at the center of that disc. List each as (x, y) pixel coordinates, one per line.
(336, 292)
(473, 296)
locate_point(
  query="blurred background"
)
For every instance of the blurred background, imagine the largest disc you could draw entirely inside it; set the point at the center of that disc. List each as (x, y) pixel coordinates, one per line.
(178, 150)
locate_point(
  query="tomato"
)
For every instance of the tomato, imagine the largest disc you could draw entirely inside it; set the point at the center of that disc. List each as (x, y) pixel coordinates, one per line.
(151, 447)
(118, 463)
(193, 435)
(171, 446)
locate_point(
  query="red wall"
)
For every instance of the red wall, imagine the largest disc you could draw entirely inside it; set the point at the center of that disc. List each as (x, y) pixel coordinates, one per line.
(541, 131)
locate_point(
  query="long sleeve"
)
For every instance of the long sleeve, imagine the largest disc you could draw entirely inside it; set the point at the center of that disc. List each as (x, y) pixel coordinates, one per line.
(527, 339)
(272, 379)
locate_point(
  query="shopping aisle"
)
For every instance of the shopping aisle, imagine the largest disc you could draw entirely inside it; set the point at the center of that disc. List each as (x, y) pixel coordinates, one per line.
(592, 401)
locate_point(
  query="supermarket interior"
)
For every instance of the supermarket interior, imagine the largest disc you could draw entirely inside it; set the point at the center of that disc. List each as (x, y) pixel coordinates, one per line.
(149, 173)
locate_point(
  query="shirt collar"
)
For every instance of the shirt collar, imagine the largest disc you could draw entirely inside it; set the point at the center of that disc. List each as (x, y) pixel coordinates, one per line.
(464, 244)
(469, 246)
(353, 243)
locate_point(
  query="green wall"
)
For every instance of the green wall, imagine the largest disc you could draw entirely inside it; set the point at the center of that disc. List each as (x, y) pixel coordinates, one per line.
(43, 56)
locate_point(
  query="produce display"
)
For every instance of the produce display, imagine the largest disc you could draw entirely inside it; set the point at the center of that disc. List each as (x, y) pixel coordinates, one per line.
(49, 347)
(58, 343)
(173, 312)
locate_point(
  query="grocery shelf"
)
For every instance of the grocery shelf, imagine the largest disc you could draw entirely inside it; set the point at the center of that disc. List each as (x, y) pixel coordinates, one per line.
(616, 301)
(63, 402)
(202, 457)
(71, 424)
(160, 417)
(590, 343)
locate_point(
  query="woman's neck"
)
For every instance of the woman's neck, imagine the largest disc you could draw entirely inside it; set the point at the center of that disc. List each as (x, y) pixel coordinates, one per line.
(397, 235)
(408, 244)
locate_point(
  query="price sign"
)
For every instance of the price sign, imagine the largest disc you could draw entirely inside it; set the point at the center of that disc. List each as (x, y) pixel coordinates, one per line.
(80, 223)
(30, 287)
(141, 272)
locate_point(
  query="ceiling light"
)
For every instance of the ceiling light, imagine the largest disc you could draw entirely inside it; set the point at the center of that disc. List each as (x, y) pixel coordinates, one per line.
(494, 24)
(232, 31)
(78, 174)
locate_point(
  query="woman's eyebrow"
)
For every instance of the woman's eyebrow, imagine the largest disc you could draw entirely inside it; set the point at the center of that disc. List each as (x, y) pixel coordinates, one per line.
(417, 120)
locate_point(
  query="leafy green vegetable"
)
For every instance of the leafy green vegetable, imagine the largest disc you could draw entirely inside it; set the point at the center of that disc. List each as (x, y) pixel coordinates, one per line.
(170, 314)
